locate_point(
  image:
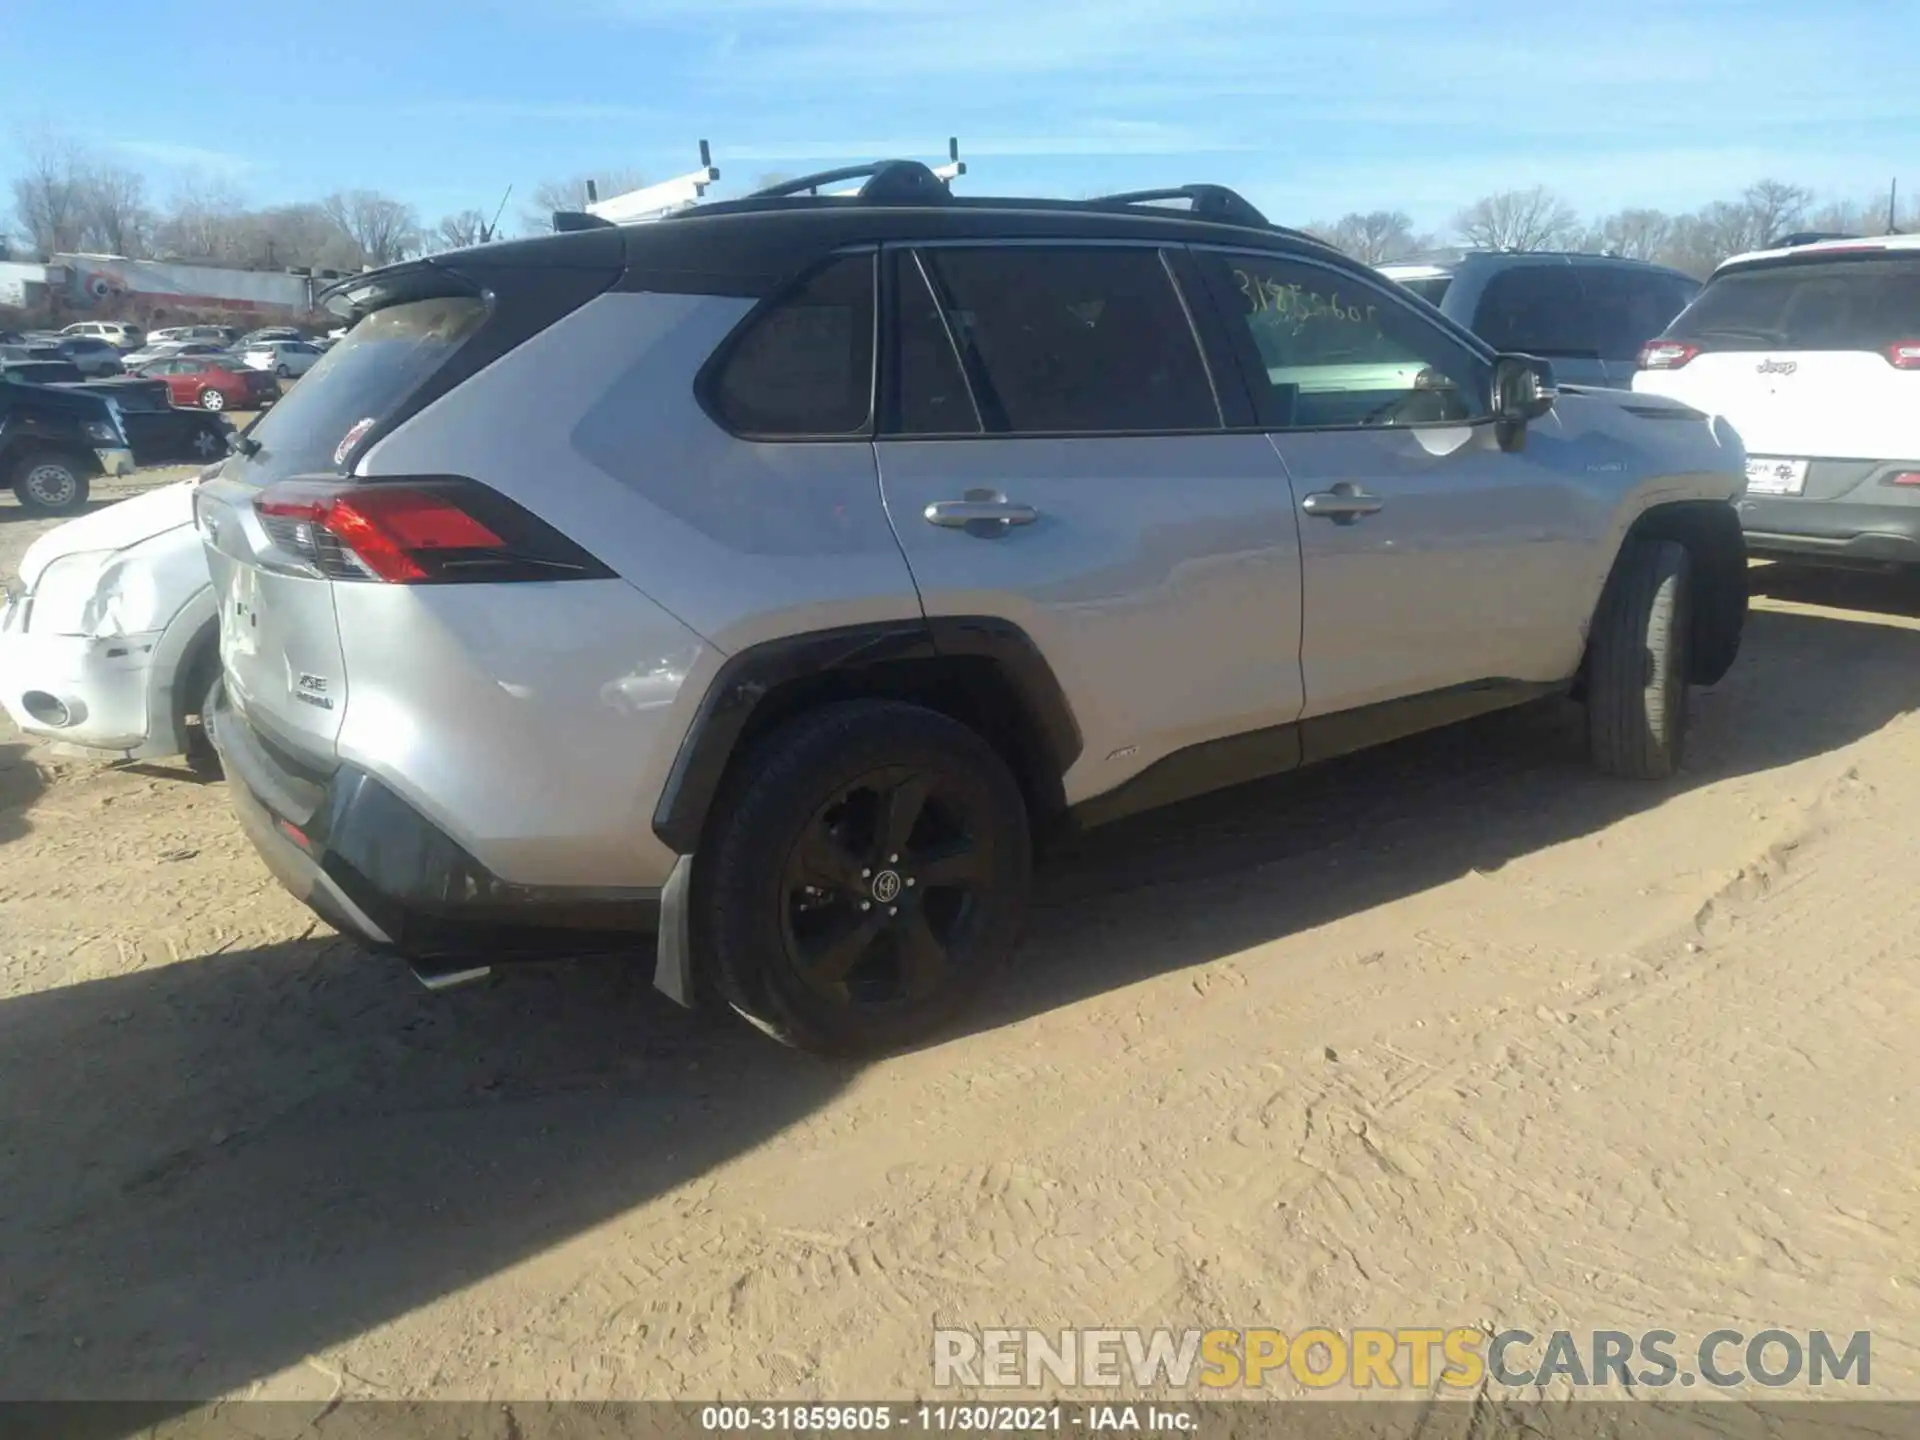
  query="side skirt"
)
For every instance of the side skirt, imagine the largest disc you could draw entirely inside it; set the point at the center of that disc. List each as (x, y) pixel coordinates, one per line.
(1236, 759)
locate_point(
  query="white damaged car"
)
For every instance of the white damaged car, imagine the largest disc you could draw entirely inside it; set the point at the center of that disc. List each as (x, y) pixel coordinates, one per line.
(109, 643)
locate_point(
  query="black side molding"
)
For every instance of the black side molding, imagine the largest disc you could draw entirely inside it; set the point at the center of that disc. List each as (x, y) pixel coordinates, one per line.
(760, 681)
(1237, 759)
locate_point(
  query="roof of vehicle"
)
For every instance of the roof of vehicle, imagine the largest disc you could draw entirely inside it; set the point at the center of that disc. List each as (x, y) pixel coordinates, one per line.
(742, 246)
(1820, 249)
(1433, 267)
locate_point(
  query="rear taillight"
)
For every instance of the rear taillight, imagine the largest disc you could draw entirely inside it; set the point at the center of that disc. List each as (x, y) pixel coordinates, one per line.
(1904, 354)
(1666, 354)
(434, 531)
(1910, 478)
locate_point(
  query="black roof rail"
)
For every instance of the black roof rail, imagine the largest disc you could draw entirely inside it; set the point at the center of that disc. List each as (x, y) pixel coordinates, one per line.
(569, 220)
(1206, 202)
(889, 182)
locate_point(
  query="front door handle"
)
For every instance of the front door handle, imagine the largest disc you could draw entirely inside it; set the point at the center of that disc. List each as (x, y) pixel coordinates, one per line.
(973, 514)
(1343, 504)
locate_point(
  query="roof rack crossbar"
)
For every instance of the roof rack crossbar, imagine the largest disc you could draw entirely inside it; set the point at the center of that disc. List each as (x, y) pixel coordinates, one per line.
(885, 180)
(1208, 202)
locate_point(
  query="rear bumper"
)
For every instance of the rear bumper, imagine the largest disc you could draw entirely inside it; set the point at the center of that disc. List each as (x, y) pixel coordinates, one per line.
(373, 867)
(1838, 530)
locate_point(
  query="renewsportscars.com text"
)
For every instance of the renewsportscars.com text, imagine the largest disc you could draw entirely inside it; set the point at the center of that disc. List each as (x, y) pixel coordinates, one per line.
(1424, 1358)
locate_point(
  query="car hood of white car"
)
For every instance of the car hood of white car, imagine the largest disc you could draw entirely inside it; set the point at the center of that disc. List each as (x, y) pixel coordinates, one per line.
(118, 527)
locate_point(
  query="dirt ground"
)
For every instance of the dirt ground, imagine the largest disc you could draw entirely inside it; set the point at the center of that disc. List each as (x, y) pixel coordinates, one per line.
(1453, 1033)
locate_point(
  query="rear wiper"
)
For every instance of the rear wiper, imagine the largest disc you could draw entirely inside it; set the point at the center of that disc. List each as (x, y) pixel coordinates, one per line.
(243, 444)
(1735, 332)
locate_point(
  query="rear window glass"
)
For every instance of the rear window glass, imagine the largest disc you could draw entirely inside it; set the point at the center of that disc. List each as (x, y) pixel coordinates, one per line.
(804, 366)
(382, 360)
(1853, 304)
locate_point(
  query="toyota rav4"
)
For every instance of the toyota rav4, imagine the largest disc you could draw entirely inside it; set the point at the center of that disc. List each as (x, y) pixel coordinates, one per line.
(770, 576)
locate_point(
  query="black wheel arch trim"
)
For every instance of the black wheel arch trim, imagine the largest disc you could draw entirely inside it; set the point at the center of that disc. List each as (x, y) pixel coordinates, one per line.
(749, 677)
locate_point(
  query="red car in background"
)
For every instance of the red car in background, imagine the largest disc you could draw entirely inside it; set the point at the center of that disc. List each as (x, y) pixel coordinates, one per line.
(213, 382)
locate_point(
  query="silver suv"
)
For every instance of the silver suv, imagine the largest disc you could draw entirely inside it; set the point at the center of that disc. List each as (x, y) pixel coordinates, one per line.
(771, 575)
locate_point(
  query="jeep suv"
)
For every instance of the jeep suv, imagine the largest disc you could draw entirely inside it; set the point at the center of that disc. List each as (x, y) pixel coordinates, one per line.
(1589, 314)
(772, 574)
(1812, 351)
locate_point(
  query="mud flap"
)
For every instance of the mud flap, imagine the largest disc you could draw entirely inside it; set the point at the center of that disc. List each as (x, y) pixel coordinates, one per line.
(673, 961)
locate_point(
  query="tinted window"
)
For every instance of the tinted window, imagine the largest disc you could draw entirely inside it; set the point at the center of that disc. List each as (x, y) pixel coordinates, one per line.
(804, 366)
(1433, 289)
(1073, 341)
(383, 360)
(1631, 307)
(929, 389)
(1537, 310)
(1323, 349)
(1851, 304)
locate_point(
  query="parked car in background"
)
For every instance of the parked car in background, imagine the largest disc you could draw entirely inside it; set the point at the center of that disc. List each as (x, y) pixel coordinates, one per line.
(285, 358)
(221, 335)
(1589, 314)
(270, 332)
(165, 349)
(55, 441)
(92, 354)
(713, 636)
(213, 382)
(117, 333)
(1813, 352)
(23, 351)
(108, 644)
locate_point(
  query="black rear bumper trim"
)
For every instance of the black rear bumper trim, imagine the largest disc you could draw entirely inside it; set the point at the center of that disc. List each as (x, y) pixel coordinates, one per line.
(375, 868)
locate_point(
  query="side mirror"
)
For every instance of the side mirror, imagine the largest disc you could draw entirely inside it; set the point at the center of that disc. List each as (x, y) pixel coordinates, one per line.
(1523, 391)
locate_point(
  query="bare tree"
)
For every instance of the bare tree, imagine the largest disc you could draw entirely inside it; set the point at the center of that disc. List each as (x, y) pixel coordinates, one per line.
(1535, 219)
(385, 229)
(1774, 209)
(1636, 234)
(456, 232)
(570, 193)
(203, 220)
(114, 206)
(49, 196)
(1378, 237)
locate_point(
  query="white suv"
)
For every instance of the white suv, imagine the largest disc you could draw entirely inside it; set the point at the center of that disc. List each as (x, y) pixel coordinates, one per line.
(1812, 352)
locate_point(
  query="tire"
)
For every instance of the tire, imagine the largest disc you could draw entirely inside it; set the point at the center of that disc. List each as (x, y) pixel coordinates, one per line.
(200, 683)
(1638, 661)
(819, 966)
(285, 372)
(212, 400)
(48, 482)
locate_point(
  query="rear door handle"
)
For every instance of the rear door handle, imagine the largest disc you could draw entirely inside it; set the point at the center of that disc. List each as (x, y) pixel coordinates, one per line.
(965, 514)
(1343, 504)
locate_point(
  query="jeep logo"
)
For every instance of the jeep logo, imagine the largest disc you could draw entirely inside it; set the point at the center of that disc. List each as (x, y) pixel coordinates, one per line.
(1777, 367)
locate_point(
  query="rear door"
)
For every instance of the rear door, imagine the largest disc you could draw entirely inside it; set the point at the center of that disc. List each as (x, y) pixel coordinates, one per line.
(1057, 394)
(1432, 558)
(1536, 305)
(1804, 355)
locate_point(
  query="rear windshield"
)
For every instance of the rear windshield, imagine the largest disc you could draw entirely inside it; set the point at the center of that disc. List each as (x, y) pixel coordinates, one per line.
(382, 360)
(1841, 304)
(1432, 290)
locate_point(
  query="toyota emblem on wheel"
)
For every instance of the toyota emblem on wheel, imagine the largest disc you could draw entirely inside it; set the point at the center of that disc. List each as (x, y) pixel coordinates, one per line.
(886, 886)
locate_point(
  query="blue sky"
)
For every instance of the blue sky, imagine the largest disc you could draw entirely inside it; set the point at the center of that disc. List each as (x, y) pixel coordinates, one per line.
(1312, 107)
